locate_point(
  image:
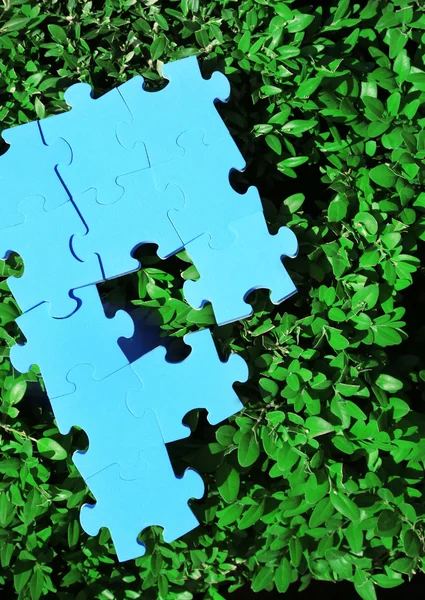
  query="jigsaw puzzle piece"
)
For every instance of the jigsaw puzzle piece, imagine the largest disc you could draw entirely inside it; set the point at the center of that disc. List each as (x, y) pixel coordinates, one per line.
(210, 201)
(51, 270)
(99, 408)
(90, 130)
(157, 497)
(58, 345)
(29, 168)
(160, 117)
(115, 230)
(202, 380)
(252, 262)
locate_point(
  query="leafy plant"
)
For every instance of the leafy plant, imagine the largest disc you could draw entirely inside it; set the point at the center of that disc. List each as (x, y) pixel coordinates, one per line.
(321, 475)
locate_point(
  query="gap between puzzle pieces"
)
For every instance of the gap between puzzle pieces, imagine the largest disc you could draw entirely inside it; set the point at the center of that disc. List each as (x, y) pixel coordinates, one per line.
(252, 262)
(112, 410)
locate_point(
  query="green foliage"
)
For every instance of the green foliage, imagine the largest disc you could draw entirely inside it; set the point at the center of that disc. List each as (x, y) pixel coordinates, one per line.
(321, 475)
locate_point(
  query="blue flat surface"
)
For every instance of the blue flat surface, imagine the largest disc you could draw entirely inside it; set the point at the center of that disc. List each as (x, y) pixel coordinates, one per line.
(90, 130)
(158, 118)
(252, 262)
(51, 270)
(157, 497)
(99, 407)
(58, 345)
(210, 202)
(201, 380)
(116, 229)
(28, 169)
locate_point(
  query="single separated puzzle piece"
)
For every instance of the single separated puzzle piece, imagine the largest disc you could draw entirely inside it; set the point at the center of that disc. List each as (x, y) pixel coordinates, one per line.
(90, 130)
(99, 408)
(28, 168)
(210, 201)
(157, 497)
(160, 117)
(115, 230)
(252, 262)
(202, 380)
(51, 270)
(58, 345)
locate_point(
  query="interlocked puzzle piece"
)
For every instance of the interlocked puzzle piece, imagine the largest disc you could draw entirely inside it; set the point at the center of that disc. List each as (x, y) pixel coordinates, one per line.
(171, 111)
(141, 213)
(90, 130)
(81, 190)
(157, 497)
(58, 345)
(99, 408)
(210, 202)
(44, 239)
(202, 380)
(28, 169)
(252, 262)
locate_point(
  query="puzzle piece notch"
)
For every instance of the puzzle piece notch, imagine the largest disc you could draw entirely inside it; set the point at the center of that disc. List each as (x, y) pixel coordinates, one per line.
(252, 262)
(28, 168)
(141, 213)
(48, 276)
(188, 101)
(210, 203)
(99, 408)
(172, 390)
(158, 497)
(98, 159)
(58, 345)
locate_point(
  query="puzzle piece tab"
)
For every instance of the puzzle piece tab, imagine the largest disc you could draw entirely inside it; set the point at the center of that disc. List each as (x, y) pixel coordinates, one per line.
(202, 380)
(90, 130)
(186, 102)
(252, 262)
(157, 497)
(58, 345)
(28, 168)
(115, 230)
(51, 270)
(99, 408)
(210, 201)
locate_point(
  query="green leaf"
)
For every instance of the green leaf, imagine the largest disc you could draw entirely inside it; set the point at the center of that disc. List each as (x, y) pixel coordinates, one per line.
(411, 543)
(383, 176)
(262, 579)
(345, 506)
(57, 33)
(158, 47)
(299, 23)
(274, 143)
(317, 426)
(228, 482)
(364, 587)
(388, 524)
(248, 449)
(294, 202)
(282, 576)
(36, 584)
(337, 210)
(51, 449)
(389, 383)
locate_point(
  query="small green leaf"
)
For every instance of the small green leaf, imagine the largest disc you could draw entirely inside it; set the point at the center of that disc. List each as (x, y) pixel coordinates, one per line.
(248, 449)
(51, 449)
(383, 176)
(283, 575)
(345, 506)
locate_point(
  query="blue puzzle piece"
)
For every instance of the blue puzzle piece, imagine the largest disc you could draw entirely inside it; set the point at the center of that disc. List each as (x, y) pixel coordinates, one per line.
(58, 345)
(252, 262)
(157, 497)
(27, 169)
(90, 129)
(99, 408)
(115, 230)
(202, 380)
(210, 201)
(51, 271)
(160, 117)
